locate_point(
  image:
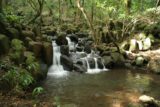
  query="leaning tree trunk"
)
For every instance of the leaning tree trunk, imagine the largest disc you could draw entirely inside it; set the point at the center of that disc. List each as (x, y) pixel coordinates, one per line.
(86, 18)
(158, 3)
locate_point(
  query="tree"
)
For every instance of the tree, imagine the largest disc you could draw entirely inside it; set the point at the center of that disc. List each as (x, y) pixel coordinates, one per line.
(37, 6)
(1, 6)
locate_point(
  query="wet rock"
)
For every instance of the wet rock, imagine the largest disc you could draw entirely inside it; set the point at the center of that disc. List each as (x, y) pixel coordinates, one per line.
(79, 48)
(87, 49)
(67, 62)
(154, 65)
(65, 50)
(79, 68)
(61, 39)
(12, 33)
(4, 44)
(36, 48)
(47, 53)
(73, 37)
(28, 33)
(91, 62)
(108, 61)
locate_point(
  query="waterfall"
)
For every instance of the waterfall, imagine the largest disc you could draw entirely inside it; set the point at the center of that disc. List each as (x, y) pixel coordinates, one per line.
(56, 68)
(96, 63)
(70, 44)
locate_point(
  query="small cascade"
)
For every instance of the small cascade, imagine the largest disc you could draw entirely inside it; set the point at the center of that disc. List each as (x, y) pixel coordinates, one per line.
(56, 68)
(70, 44)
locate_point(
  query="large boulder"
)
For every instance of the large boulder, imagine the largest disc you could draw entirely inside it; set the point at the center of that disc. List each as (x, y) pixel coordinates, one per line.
(65, 50)
(67, 62)
(73, 37)
(118, 58)
(79, 68)
(108, 61)
(61, 39)
(4, 44)
(36, 48)
(47, 53)
(154, 65)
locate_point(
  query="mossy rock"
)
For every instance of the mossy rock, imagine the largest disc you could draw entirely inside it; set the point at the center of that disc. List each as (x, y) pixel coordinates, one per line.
(4, 44)
(47, 53)
(12, 33)
(118, 58)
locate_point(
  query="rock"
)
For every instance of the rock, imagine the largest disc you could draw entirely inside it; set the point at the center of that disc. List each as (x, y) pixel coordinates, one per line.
(27, 40)
(147, 44)
(50, 30)
(139, 61)
(36, 48)
(67, 62)
(47, 53)
(61, 40)
(12, 33)
(79, 68)
(133, 45)
(28, 33)
(79, 48)
(73, 37)
(91, 62)
(154, 65)
(65, 50)
(108, 61)
(118, 58)
(148, 101)
(87, 49)
(4, 44)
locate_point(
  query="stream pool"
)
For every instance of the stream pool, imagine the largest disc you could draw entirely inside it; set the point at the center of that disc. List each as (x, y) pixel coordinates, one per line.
(113, 88)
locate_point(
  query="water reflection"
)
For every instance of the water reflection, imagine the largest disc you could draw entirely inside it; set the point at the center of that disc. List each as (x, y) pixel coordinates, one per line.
(107, 89)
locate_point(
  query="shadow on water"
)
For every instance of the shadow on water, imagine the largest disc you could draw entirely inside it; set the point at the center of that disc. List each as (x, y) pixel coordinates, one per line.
(114, 88)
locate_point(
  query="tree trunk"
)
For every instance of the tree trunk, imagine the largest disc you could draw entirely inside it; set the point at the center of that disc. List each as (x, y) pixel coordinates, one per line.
(86, 18)
(59, 5)
(1, 6)
(158, 3)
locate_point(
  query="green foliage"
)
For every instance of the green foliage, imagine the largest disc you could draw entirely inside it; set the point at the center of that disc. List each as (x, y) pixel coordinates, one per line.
(37, 91)
(17, 45)
(17, 78)
(25, 79)
(17, 48)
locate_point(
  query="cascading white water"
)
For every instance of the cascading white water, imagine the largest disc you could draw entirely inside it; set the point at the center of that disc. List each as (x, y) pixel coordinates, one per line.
(70, 44)
(56, 68)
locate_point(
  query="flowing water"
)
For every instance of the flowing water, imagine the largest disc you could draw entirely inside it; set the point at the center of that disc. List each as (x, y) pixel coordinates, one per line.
(114, 88)
(56, 69)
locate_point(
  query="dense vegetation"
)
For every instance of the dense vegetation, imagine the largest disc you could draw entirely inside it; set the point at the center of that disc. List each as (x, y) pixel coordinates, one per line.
(27, 28)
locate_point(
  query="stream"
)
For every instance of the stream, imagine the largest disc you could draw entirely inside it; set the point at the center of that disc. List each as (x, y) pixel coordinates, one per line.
(113, 88)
